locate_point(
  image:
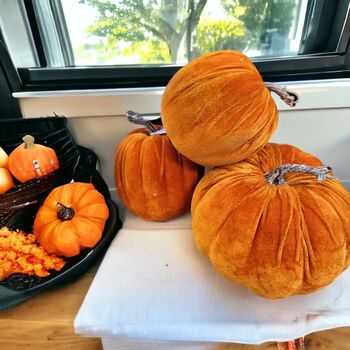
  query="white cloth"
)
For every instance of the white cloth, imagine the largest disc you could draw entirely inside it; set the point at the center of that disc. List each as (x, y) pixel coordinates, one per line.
(154, 284)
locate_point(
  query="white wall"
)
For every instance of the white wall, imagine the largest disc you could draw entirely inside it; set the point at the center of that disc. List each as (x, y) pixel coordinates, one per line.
(320, 124)
(324, 133)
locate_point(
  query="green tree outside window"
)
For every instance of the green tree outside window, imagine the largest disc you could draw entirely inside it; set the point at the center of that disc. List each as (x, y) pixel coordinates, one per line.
(155, 29)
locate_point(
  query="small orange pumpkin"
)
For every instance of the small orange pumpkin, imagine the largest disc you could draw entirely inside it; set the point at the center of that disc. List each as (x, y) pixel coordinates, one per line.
(3, 158)
(217, 109)
(271, 225)
(153, 180)
(71, 218)
(6, 180)
(30, 160)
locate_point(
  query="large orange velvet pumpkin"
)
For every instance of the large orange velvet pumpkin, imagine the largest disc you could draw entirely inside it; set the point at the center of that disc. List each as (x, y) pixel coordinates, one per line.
(153, 180)
(71, 218)
(279, 233)
(217, 110)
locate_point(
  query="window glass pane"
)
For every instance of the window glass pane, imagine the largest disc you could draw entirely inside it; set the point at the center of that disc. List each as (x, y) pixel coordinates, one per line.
(17, 35)
(174, 31)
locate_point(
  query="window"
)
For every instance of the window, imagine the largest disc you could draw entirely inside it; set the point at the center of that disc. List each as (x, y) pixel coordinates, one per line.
(121, 43)
(173, 31)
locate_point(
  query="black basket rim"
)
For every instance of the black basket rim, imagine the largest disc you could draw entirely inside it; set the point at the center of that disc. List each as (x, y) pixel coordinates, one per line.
(34, 119)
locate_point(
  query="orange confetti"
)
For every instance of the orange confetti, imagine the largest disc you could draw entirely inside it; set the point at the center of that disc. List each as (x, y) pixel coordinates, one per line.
(20, 253)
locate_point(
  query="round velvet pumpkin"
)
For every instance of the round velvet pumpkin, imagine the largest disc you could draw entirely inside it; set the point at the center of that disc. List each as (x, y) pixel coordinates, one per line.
(71, 218)
(280, 238)
(30, 160)
(217, 110)
(153, 180)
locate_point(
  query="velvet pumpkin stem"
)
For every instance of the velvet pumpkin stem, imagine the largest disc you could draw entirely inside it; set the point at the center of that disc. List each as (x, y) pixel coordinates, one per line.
(289, 97)
(137, 118)
(276, 176)
(64, 213)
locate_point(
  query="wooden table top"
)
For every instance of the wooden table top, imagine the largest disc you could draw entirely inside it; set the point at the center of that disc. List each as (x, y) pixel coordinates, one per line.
(46, 322)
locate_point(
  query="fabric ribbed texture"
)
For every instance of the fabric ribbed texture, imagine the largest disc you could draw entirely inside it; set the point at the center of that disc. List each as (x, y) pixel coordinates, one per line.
(153, 180)
(277, 240)
(216, 109)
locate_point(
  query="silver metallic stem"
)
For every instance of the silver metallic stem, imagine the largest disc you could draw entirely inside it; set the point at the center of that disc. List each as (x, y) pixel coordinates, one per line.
(289, 97)
(137, 118)
(276, 176)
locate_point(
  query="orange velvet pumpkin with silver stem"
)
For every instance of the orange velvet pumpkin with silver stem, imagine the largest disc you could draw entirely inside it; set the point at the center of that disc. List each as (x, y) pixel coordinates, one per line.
(217, 109)
(153, 180)
(277, 222)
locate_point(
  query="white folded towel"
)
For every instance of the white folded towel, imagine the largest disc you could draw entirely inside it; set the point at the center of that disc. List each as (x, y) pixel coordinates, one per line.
(154, 284)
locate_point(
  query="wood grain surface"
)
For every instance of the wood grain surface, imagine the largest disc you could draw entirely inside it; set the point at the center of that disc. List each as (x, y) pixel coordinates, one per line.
(45, 322)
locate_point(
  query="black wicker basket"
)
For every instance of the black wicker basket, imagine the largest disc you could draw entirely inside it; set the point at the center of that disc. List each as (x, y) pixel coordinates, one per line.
(19, 205)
